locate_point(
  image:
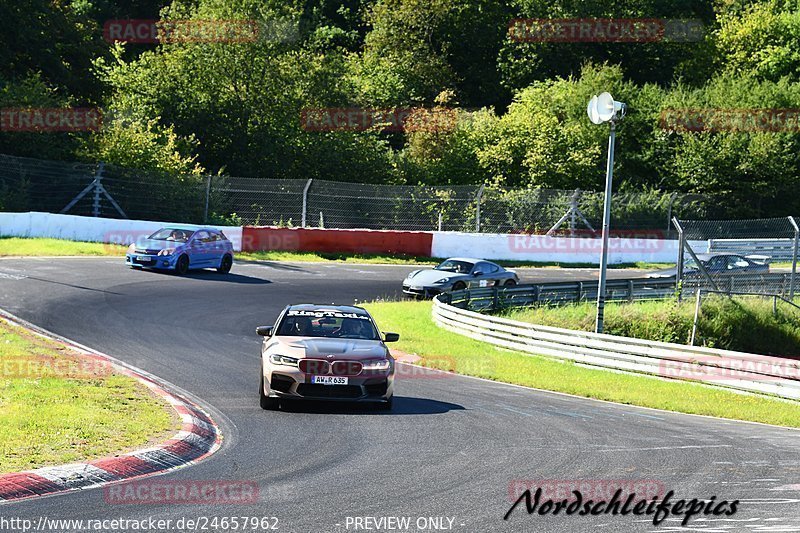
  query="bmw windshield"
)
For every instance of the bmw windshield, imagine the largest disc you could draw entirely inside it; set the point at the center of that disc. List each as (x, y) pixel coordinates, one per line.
(327, 324)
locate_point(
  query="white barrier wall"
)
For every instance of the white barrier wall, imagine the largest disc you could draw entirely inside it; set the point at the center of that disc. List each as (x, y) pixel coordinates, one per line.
(91, 229)
(542, 248)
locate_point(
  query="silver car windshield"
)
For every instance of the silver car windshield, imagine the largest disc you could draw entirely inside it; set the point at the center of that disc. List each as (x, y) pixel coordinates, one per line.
(328, 326)
(459, 267)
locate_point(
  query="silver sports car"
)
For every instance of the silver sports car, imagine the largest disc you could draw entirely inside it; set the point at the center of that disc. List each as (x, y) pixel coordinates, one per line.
(455, 274)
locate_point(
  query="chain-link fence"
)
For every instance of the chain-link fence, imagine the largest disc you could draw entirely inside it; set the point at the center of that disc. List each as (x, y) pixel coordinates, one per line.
(111, 191)
(738, 256)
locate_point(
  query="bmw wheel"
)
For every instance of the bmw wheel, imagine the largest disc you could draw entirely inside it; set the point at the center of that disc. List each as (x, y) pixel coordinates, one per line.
(510, 283)
(182, 266)
(267, 403)
(225, 265)
(459, 286)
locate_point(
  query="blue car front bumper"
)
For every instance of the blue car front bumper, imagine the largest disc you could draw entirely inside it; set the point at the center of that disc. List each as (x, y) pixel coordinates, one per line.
(166, 262)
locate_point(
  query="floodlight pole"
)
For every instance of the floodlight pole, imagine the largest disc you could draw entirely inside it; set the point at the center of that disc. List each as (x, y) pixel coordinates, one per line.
(601, 286)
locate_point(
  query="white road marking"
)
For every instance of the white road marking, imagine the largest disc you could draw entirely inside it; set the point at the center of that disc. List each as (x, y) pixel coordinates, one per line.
(690, 446)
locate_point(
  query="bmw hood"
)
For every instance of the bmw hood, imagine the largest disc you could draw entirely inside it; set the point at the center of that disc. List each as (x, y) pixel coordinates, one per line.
(430, 277)
(357, 349)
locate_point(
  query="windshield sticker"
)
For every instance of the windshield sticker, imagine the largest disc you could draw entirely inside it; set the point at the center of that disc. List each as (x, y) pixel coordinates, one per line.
(321, 313)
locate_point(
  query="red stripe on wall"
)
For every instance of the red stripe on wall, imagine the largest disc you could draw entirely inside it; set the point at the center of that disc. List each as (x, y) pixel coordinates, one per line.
(256, 238)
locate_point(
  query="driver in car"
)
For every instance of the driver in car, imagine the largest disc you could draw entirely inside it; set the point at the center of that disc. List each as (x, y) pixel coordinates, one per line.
(175, 235)
(302, 326)
(351, 327)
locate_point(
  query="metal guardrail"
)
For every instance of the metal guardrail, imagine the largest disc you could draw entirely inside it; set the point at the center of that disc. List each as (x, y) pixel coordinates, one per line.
(735, 370)
(776, 249)
(495, 298)
(769, 284)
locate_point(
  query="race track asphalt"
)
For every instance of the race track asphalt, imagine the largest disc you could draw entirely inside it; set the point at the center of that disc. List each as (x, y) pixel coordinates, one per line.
(450, 448)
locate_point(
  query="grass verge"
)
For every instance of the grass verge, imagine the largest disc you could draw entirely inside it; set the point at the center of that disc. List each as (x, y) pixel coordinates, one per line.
(449, 351)
(16, 246)
(744, 324)
(57, 407)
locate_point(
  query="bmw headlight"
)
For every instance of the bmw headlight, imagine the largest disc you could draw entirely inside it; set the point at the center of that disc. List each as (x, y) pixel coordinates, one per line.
(377, 364)
(282, 360)
(443, 280)
(167, 251)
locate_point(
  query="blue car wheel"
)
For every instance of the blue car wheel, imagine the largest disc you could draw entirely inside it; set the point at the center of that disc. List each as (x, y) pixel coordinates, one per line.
(182, 265)
(225, 265)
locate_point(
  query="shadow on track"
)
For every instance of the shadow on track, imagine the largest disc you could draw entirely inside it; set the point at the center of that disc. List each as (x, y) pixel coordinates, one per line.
(211, 275)
(403, 405)
(272, 264)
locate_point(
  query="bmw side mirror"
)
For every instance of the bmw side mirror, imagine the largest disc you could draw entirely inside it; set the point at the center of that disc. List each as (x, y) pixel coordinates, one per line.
(391, 337)
(264, 331)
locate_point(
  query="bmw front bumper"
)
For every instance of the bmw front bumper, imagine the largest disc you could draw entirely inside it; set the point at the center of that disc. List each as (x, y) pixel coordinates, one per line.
(289, 383)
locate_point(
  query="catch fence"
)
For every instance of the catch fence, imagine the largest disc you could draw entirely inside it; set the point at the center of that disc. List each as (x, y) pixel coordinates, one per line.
(757, 256)
(97, 189)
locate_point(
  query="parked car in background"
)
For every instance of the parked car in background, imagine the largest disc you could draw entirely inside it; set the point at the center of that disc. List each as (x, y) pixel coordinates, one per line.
(455, 274)
(720, 264)
(181, 249)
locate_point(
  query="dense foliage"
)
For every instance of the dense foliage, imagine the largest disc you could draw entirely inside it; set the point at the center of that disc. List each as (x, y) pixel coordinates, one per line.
(514, 112)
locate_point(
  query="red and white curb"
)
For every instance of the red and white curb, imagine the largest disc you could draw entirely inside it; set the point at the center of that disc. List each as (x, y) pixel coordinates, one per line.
(198, 438)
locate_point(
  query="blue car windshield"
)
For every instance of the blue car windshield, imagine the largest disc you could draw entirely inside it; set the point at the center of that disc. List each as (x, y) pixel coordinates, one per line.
(459, 267)
(167, 234)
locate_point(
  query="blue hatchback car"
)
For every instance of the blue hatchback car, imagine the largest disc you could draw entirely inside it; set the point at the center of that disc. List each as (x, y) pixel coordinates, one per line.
(181, 249)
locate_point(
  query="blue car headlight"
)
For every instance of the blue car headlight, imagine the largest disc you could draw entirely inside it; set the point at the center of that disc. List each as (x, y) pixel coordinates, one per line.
(167, 251)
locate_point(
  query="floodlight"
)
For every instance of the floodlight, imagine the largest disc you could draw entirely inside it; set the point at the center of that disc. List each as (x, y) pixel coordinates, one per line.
(604, 108)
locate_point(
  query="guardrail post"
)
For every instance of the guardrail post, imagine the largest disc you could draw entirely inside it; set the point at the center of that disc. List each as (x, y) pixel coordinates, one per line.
(305, 205)
(478, 208)
(495, 298)
(679, 260)
(696, 316)
(466, 299)
(630, 290)
(794, 256)
(537, 292)
(580, 291)
(208, 194)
